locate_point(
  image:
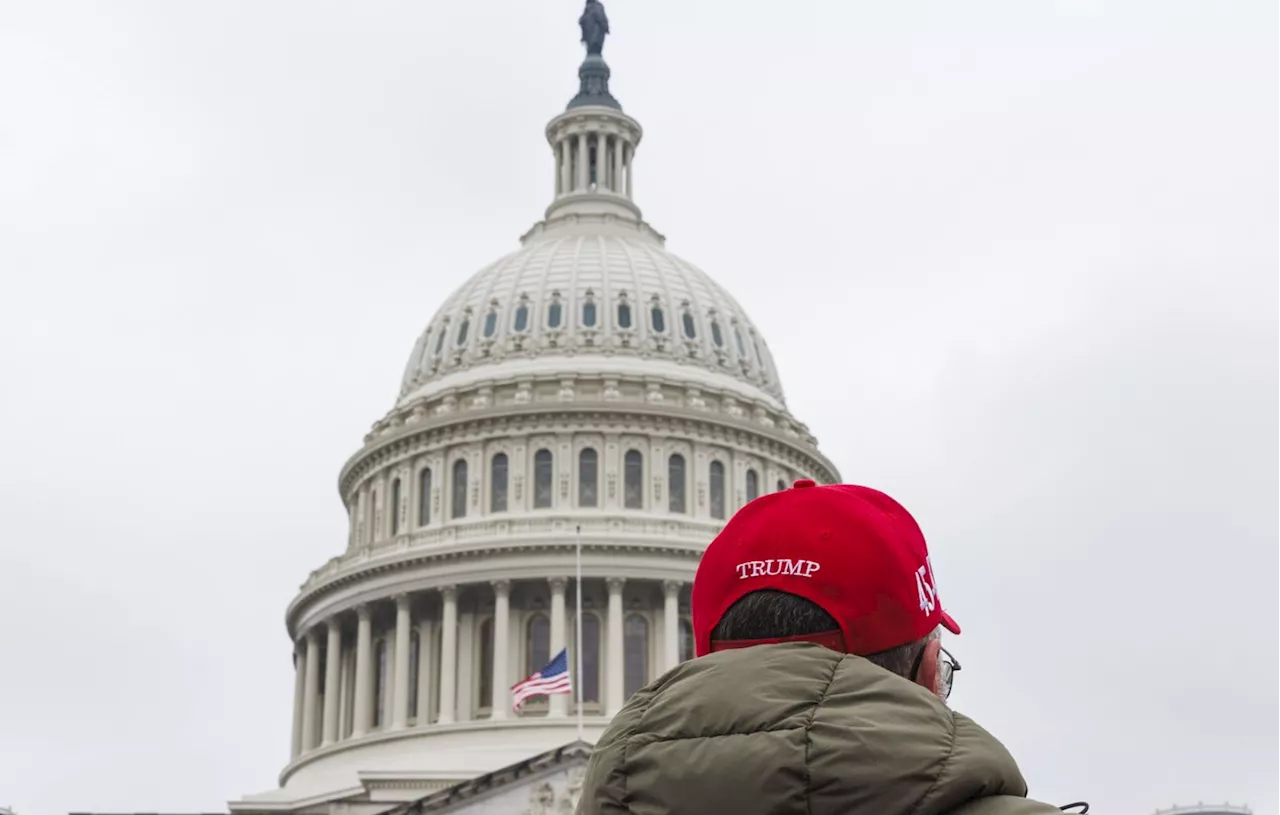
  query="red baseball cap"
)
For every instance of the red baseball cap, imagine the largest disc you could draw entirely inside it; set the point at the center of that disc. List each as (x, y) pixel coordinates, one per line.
(852, 550)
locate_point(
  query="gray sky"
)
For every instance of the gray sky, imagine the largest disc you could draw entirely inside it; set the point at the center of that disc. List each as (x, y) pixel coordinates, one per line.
(1017, 262)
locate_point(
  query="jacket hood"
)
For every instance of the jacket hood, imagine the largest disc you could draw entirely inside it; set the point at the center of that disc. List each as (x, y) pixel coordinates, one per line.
(796, 728)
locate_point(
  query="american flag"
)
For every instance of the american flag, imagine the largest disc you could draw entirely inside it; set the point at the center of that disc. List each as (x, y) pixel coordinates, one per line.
(554, 678)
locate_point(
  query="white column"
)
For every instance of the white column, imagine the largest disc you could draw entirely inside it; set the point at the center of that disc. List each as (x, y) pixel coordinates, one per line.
(400, 696)
(332, 680)
(364, 673)
(345, 672)
(618, 146)
(448, 655)
(583, 158)
(311, 691)
(423, 713)
(501, 648)
(671, 624)
(559, 702)
(299, 693)
(631, 157)
(614, 673)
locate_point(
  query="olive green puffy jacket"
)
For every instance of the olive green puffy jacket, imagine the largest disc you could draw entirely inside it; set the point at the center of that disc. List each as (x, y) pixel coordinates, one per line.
(797, 728)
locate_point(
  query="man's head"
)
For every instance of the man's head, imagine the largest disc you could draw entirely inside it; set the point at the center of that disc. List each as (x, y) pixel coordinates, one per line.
(842, 566)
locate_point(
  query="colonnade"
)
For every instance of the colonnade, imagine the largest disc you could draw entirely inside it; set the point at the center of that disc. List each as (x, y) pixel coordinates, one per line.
(612, 164)
(444, 657)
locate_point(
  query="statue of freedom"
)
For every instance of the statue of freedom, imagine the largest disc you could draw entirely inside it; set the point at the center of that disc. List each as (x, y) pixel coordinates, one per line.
(594, 25)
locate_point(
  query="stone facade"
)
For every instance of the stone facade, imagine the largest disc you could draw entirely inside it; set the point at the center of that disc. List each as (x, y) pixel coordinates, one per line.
(588, 405)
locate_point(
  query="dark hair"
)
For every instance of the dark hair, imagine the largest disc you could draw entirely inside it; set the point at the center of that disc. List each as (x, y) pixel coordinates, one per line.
(770, 614)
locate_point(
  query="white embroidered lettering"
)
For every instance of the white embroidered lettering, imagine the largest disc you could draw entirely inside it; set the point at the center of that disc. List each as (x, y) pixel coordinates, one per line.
(776, 566)
(924, 588)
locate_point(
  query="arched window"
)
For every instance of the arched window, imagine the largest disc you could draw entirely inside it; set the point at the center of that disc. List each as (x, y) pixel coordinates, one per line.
(590, 658)
(537, 651)
(424, 496)
(782, 485)
(380, 685)
(460, 488)
(394, 509)
(624, 315)
(521, 321)
(675, 483)
(542, 479)
(742, 347)
(658, 319)
(498, 483)
(490, 323)
(415, 648)
(555, 313)
(753, 485)
(485, 699)
(462, 332)
(635, 653)
(686, 640)
(717, 490)
(444, 329)
(588, 478)
(716, 336)
(690, 331)
(589, 314)
(633, 480)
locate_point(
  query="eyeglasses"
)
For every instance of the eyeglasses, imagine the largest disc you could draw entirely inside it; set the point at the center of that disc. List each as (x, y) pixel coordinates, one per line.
(948, 666)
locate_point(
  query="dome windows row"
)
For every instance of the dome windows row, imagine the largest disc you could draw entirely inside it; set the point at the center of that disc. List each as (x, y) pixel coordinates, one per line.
(626, 319)
(457, 502)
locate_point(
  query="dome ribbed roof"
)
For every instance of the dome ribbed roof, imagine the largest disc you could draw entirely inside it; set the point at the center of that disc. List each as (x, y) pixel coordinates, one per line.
(592, 294)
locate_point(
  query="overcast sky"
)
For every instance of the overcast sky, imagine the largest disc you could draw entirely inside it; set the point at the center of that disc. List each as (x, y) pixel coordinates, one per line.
(1017, 262)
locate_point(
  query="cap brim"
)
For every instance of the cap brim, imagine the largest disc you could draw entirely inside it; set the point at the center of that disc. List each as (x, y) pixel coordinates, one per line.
(950, 624)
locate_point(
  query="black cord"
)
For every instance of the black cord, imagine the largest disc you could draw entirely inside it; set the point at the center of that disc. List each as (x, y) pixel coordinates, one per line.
(1084, 804)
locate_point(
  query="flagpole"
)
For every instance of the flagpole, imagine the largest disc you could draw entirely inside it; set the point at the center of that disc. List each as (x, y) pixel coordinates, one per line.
(577, 598)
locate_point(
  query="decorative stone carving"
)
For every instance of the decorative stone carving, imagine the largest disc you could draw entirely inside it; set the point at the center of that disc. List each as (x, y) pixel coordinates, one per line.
(693, 398)
(611, 392)
(653, 393)
(567, 393)
(541, 799)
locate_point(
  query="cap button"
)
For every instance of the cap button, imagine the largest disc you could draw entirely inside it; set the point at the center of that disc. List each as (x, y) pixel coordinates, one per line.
(804, 482)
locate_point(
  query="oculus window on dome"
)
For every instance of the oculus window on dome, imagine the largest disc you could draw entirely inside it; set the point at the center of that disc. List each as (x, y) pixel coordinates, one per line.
(588, 478)
(675, 484)
(521, 321)
(424, 496)
(460, 488)
(490, 323)
(395, 507)
(555, 312)
(624, 315)
(633, 480)
(498, 477)
(690, 331)
(658, 320)
(589, 313)
(462, 332)
(542, 475)
(716, 336)
(717, 490)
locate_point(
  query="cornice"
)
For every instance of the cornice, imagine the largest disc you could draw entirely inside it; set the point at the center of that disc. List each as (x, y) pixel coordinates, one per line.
(365, 564)
(568, 724)
(399, 441)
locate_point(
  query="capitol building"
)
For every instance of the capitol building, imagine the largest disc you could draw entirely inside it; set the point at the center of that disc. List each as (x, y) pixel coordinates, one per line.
(587, 402)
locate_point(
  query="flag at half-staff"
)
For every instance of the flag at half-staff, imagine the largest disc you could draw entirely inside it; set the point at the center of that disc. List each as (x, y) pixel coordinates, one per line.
(552, 679)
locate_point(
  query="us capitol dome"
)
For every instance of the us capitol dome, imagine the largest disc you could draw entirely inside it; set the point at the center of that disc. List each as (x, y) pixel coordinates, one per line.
(590, 394)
